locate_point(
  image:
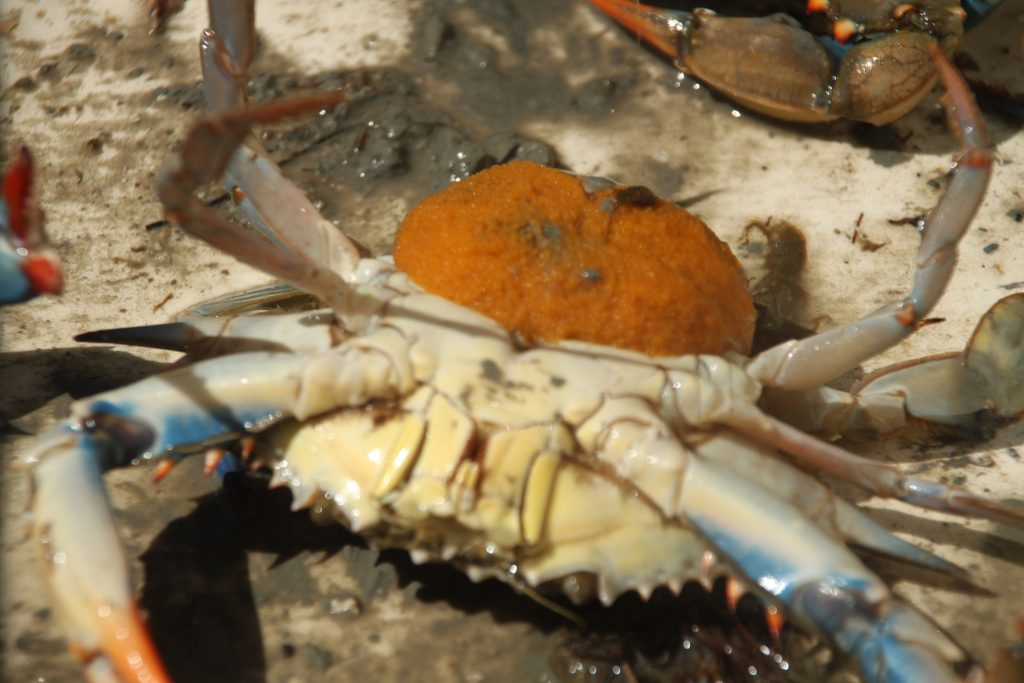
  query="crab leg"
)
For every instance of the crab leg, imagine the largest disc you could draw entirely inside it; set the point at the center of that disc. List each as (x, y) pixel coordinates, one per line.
(817, 359)
(971, 391)
(28, 266)
(185, 411)
(234, 22)
(816, 502)
(215, 328)
(272, 204)
(300, 247)
(820, 583)
(207, 150)
(877, 478)
(730, 406)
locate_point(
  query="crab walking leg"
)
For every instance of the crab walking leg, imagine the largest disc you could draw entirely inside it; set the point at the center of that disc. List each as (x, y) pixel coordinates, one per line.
(232, 324)
(881, 480)
(722, 394)
(971, 391)
(209, 146)
(816, 502)
(819, 582)
(272, 204)
(204, 337)
(817, 359)
(184, 411)
(233, 24)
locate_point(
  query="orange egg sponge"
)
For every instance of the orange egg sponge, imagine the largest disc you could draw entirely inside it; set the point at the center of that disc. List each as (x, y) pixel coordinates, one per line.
(529, 247)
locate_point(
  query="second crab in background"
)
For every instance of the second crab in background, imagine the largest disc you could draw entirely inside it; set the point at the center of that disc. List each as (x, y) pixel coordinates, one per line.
(864, 61)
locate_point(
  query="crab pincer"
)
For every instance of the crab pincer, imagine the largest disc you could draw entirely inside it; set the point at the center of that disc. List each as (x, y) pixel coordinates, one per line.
(28, 265)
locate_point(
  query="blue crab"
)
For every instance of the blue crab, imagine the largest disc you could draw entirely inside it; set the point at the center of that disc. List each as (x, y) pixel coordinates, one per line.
(869, 62)
(28, 265)
(590, 468)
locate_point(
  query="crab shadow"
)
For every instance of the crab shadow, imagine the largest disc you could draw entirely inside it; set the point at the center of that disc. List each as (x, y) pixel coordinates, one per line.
(33, 379)
(203, 600)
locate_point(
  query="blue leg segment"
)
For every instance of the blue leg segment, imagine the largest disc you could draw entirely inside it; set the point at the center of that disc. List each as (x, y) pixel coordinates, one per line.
(191, 408)
(891, 642)
(819, 583)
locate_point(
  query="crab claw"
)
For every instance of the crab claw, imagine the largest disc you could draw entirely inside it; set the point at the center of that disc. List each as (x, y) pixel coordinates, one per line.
(774, 66)
(659, 28)
(891, 642)
(818, 583)
(73, 530)
(180, 413)
(28, 266)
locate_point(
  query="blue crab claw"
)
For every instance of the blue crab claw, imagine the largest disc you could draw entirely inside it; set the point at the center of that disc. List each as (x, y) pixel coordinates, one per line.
(186, 411)
(93, 598)
(892, 643)
(819, 584)
(28, 266)
(182, 412)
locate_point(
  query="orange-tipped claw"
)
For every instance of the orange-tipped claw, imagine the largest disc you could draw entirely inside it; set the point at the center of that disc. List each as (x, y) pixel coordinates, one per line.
(22, 230)
(84, 566)
(247, 445)
(18, 188)
(43, 273)
(654, 26)
(844, 29)
(125, 647)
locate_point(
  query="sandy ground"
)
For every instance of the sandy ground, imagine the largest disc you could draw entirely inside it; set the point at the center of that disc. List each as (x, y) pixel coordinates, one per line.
(238, 588)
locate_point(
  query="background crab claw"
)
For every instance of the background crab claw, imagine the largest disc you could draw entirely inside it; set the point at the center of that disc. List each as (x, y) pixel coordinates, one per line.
(86, 570)
(28, 266)
(660, 28)
(43, 273)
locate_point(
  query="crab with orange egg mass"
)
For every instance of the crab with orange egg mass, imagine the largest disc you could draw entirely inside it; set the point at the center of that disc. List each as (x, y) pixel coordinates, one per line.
(549, 386)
